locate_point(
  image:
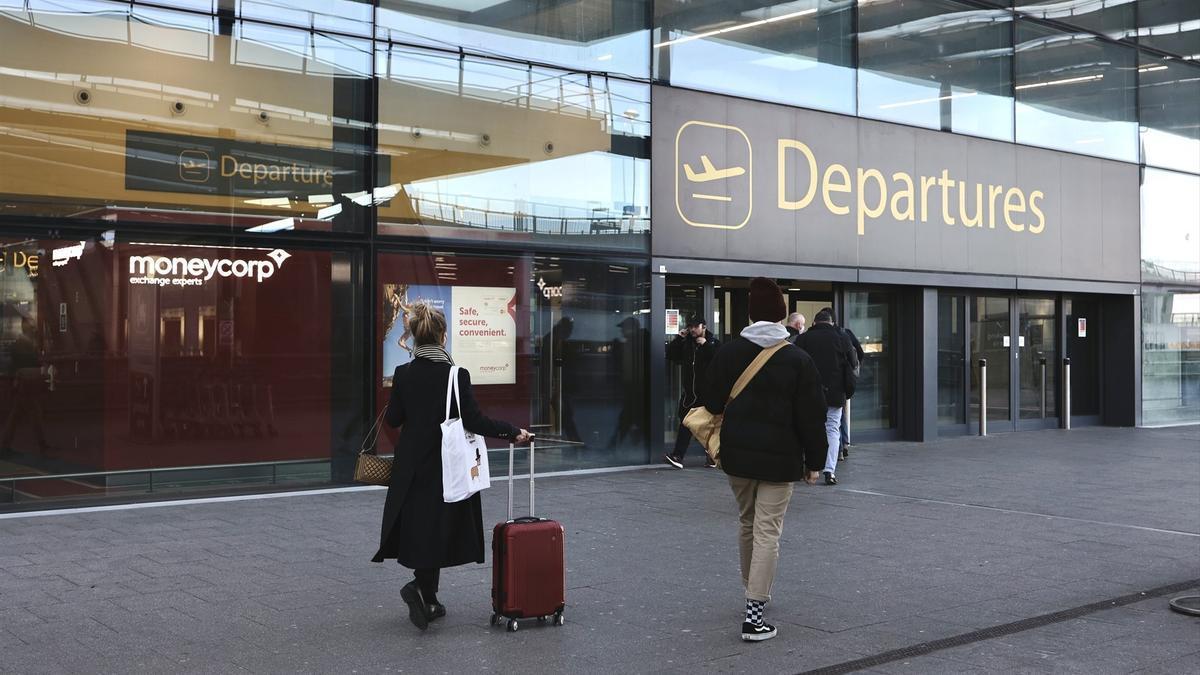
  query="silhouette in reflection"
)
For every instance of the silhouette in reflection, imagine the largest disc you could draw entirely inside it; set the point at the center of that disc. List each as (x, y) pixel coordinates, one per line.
(563, 357)
(29, 384)
(629, 352)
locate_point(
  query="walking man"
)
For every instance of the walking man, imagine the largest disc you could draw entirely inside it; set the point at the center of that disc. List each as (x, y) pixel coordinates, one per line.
(837, 361)
(771, 430)
(794, 325)
(693, 349)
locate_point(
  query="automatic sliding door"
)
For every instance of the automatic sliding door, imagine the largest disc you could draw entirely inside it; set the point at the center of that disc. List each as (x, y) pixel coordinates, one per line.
(1037, 345)
(991, 338)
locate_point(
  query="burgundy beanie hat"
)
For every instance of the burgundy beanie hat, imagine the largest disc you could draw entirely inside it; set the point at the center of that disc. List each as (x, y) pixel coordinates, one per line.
(766, 301)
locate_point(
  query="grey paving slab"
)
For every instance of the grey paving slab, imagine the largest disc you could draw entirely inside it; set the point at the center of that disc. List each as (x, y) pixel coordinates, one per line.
(920, 542)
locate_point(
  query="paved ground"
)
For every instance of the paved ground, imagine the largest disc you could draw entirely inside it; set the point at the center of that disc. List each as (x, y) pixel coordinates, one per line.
(919, 543)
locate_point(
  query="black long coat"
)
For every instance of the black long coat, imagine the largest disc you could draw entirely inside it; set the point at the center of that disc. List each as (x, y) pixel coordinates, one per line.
(420, 530)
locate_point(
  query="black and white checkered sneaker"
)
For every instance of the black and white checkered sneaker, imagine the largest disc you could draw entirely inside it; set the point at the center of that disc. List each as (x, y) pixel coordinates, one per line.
(756, 632)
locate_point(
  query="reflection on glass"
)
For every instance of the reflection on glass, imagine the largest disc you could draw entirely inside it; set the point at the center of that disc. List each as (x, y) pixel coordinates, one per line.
(492, 150)
(801, 53)
(990, 339)
(683, 300)
(1076, 92)
(1037, 344)
(1168, 98)
(606, 36)
(1167, 25)
(125, 113)
(566, 358)
(937, 64)
(869, 316)
(1170, 357)
(140, 355)
(1170, 227)
(952, 346)
(1110, 18)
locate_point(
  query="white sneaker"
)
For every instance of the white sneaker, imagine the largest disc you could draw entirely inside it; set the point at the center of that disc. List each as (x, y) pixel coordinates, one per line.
(673, 462)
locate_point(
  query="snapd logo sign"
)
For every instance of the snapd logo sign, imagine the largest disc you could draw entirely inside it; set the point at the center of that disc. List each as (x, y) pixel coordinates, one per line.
(180, 271)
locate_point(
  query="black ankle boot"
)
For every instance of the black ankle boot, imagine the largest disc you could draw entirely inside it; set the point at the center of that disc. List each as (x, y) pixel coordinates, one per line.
(417, 608)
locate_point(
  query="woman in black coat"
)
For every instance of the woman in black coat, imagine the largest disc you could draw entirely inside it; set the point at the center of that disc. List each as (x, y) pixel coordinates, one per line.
(420, 530)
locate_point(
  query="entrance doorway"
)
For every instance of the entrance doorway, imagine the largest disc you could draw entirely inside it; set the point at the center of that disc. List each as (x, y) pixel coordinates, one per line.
(1018, 337)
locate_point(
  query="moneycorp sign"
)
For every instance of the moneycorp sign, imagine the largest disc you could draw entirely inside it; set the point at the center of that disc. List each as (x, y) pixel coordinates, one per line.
(743, 180)
(180, 271)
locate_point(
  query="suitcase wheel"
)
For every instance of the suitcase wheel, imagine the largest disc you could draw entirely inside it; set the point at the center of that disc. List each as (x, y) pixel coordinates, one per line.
(495, 620)
(541, 619)
(559, 619)
(512, 625)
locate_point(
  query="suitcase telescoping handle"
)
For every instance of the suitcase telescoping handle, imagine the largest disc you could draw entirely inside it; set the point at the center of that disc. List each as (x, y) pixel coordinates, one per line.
(512, 449)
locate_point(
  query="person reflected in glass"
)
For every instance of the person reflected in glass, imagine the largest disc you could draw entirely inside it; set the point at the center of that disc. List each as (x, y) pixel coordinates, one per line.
(420, 530)
(30, 381)
(693, 349)
(558, 348)
(629, 353)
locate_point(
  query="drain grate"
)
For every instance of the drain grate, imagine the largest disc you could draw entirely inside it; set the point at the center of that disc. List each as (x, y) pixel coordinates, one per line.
(1002, 630)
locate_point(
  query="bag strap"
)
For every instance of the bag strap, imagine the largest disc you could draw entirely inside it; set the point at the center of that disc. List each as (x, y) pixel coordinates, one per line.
(368, 444)
(452, 390)
(752, 369)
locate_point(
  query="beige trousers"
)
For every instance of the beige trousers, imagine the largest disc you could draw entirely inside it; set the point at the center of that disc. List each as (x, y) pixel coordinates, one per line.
(761, 507)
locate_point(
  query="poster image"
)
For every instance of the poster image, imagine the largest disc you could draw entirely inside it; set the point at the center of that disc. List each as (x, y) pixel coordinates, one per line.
(481, 328)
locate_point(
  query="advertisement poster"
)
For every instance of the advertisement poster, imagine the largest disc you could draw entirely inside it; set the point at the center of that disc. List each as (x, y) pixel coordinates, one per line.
(673, 322)
(481, 328)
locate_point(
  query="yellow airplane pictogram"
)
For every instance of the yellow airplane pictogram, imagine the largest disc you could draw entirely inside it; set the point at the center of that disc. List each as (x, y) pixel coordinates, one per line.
(711, 172)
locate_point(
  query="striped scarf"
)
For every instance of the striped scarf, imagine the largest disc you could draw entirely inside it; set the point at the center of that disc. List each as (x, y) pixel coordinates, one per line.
(433, 353)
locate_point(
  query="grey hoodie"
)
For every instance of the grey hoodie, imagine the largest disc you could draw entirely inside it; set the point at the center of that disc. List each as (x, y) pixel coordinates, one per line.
(765, 333)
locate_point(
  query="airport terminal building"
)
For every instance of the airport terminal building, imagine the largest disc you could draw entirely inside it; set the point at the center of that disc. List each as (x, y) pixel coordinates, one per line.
(214, 215)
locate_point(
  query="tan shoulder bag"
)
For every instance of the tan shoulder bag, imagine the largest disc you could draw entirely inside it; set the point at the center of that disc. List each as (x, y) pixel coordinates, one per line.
(705, 426)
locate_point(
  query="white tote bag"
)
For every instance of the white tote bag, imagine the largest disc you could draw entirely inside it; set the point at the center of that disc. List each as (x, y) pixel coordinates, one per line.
(464, 454)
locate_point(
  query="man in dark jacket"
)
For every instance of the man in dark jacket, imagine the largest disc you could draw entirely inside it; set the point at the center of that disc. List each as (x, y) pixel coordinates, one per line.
(693, 349)
(861, 355)
(836, 360)
(771, 430)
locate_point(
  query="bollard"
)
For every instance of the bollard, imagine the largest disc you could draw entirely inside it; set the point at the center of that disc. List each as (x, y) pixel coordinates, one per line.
(1043, 387)
(1067, 393)
(983, 397)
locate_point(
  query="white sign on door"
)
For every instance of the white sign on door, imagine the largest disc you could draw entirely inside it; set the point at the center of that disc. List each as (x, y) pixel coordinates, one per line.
(672, 321)
(1082, 327)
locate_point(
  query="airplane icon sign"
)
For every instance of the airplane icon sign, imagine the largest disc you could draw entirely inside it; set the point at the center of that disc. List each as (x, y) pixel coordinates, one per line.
(719, 194)
(711, 172)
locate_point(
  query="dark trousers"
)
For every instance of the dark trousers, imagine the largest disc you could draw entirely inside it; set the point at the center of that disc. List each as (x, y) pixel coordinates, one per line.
(427, 581)
(683, 437)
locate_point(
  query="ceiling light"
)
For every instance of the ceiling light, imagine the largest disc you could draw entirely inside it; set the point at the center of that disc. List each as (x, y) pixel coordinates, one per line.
(902, 104)
(741, 26)
(275, 226)
(1053, 83)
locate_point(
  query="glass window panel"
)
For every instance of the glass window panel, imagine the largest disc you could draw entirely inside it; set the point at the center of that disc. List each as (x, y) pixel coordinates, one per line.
(1037, 358)
(991, 328)
(952, 345)
(1170, 227)
(1170, 356)
(487, 150)
(146, 115)
(869, 316)
(1169, 112)
(1109, 17)
(608, 36)
(1170, 26)
(941, 65)
(1076, 92)
(128, 355)
(568, 360)
(799, 52)
(352, 17)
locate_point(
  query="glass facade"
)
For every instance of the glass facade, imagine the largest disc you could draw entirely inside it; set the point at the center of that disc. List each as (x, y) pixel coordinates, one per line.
(870, 315)
(800, 53)
(208, 208)
(491, 150)
(127, 354)
(942, 65)
(1076, 92)
(1170, 356)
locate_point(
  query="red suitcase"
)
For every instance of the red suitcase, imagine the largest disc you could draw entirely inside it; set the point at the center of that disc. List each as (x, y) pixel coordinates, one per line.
(528, 564)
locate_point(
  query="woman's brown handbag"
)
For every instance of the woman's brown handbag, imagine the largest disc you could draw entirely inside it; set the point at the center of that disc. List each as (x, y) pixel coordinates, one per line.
(705, 426)
(371, 468)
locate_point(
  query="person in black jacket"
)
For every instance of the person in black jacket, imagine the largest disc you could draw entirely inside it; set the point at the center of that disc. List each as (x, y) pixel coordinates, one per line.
(420, 530)
(693, 349)
(861, 355)
(837, 361)
(771, 431)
